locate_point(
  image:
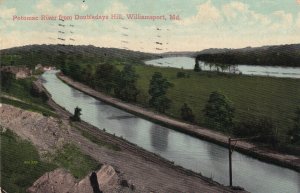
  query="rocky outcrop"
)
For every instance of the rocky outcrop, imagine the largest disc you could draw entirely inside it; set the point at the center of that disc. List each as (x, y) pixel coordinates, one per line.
(61, 181)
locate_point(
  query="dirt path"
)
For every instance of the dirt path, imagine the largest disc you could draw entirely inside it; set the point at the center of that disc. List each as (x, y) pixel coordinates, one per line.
(284, 160)
(146, 171)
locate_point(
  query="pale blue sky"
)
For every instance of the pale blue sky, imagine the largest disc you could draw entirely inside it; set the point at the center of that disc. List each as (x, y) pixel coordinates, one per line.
(203, 24)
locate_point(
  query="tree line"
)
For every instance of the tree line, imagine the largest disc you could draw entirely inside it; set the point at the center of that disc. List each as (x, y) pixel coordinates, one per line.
(219, 111)
(283, 55)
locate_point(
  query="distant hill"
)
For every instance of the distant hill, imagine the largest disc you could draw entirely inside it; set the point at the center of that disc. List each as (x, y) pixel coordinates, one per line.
(280, 55)
(54, 54)
(176, 54)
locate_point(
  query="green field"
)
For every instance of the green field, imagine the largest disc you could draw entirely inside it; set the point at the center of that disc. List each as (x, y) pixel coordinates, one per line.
(252, 96)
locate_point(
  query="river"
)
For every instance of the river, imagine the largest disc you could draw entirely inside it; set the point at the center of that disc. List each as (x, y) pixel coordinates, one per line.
(192, 153)
(189, 63)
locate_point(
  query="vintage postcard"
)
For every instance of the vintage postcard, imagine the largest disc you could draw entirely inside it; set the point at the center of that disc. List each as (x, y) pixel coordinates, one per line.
(161, 96)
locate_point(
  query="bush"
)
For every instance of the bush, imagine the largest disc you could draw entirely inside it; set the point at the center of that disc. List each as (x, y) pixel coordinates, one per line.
(263, 129)
(181, 74)
(187, 113)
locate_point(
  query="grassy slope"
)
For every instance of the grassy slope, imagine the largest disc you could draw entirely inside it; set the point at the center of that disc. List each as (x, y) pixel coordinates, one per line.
(275, 98)
(20, 163)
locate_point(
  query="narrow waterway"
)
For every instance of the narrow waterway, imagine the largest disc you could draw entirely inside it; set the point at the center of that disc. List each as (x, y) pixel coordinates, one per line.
(194, 154)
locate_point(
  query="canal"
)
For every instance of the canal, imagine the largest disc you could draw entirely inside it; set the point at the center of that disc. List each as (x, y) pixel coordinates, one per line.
(189, 152)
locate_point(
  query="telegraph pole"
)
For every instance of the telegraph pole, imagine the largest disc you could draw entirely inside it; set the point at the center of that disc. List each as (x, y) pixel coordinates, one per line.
(230, 161)
(230, 150)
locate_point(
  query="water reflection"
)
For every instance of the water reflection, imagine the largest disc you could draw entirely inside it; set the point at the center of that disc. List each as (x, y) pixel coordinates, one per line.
(159, 137)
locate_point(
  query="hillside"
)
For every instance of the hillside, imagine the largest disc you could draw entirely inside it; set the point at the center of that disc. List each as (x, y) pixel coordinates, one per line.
(31, 55)
(280, 55)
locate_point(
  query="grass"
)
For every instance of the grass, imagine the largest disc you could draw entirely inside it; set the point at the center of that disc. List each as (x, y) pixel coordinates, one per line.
(252, 96)
(29, 107)
(20, 88)
(71, 158)
(20, 163)
(99, 142)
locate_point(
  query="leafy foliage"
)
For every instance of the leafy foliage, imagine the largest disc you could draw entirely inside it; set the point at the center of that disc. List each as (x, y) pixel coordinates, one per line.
(125, 87)
(105, 77)
(77, 113)
(157, 90)
(219, 112)
(197, 66)
(263, 129)
(6, 80)
(187, 113)
(283, 55)
(295, 131)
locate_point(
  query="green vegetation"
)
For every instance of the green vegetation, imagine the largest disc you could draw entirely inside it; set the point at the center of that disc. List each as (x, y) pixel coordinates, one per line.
(59, 55)
(187, 113)
(253, 97)
(295, 131)
(71, 158)
(125, 87)
(263, 130)
(157, 90)
(20, 163)
(30, 98)
(219, 112)
(283, 55)
(76, 116)
(29, 107)
(23, 89)
(197, 66)
(101, 143)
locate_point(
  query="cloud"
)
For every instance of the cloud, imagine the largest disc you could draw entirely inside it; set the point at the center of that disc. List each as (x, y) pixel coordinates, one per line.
(232, 9)
(206, 13)
(116, 8)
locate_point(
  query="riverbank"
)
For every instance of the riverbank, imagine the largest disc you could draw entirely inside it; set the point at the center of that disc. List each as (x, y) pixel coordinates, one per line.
(147, 171)
(266, 155)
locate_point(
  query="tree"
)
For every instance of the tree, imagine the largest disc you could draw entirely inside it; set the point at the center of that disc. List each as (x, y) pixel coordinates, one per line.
(87, 74)
(75, 70)
(64, 68)
(187, 113)
(295, 131)
(77, 113)
(7, 79)
(105, 77)
(158, 89)
(262, 128)
(219, 112)
(125, 87)
(197, 66)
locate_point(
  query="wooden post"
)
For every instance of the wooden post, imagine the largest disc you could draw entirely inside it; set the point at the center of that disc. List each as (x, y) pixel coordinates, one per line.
(230, 161)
